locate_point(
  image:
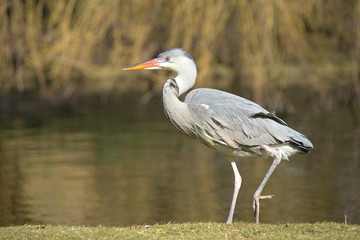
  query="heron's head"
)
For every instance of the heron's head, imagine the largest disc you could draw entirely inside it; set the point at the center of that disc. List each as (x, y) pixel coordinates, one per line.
(175, 59)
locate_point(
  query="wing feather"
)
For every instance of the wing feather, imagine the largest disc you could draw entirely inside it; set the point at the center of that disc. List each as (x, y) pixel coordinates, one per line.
(238, 122)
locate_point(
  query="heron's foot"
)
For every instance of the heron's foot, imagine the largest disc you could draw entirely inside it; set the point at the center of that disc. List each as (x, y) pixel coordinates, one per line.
(256, 205)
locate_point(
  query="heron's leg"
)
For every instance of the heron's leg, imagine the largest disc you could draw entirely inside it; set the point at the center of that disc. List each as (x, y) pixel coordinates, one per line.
(257, 197)
(237, 186)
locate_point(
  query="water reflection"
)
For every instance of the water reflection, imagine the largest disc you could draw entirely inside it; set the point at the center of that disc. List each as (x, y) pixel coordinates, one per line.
(125, 164)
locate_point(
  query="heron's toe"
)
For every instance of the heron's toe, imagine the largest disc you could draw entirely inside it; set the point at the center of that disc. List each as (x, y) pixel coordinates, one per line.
(257, 198)
(266, 196)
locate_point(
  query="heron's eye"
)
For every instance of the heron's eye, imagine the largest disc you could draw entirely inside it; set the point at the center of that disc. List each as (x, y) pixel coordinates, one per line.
(167, 59)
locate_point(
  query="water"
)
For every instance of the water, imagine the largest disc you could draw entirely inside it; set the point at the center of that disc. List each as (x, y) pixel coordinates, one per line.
(123, 164)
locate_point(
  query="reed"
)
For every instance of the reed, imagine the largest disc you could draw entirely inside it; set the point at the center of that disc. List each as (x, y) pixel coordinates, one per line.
(61, 48)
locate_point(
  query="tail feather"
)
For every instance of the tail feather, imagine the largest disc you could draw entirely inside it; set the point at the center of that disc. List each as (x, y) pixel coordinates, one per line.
(304, 145)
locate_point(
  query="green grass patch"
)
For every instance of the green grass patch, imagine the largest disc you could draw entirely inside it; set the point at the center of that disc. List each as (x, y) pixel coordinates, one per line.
(325, 230)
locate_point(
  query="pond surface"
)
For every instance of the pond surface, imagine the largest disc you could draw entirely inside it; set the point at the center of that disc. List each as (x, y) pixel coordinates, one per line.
(123, 164)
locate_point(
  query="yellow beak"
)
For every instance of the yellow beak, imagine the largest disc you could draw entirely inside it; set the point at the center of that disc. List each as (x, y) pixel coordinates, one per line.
(151, 64)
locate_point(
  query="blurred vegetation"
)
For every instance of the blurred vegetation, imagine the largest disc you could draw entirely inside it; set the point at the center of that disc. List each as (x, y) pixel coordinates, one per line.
(66, 48)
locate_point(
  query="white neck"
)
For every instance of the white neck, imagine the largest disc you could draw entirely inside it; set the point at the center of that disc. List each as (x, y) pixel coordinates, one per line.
(177, 111)
(186, 81)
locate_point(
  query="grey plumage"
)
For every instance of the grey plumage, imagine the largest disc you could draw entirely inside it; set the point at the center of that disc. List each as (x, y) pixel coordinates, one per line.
(238, 124)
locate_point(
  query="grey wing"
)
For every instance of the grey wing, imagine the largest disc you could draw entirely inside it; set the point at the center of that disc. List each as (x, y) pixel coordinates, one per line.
(230, 120)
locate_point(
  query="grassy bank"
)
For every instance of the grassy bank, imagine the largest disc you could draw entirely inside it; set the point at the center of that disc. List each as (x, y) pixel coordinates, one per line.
(187, 231)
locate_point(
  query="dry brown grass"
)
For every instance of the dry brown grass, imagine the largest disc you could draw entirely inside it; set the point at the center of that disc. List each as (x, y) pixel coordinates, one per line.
(57, 48)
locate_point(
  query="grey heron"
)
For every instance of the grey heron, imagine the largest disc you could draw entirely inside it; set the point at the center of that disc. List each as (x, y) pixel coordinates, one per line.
(230, 124)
